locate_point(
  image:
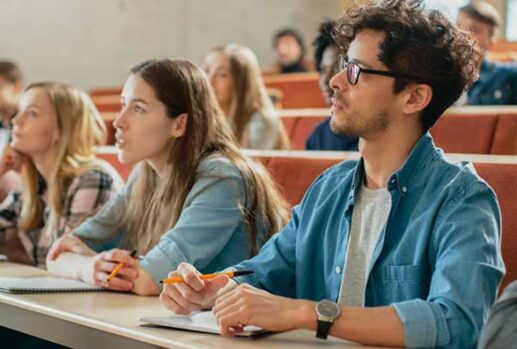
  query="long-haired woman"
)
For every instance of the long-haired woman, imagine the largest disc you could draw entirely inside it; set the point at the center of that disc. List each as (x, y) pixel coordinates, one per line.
(236, 79)
(53, 139)
(195, 197)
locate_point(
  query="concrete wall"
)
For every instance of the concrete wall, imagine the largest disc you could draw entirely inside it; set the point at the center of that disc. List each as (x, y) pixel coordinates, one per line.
(92, 43)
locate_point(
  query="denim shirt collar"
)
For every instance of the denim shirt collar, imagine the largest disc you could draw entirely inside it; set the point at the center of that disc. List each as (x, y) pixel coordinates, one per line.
(399, 181)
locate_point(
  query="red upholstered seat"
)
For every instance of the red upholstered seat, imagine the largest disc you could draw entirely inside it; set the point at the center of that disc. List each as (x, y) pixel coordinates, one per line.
(106, 91)
(465, 133)
(299, 90)
(289, 125)
(295, 175)
(482, 133)
(503, 179)
(303, 129)
(505, 138)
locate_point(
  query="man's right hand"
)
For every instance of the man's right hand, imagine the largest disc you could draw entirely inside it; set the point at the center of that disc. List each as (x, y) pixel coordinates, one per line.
(194, 294)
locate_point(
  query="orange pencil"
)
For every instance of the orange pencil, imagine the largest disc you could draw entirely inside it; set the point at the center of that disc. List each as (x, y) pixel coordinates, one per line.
(119, 267)
(230, 274)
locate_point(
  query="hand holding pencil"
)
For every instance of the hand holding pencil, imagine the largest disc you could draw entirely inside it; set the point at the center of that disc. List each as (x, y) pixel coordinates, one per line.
(115, 269)
(119, 267)
(187, 290)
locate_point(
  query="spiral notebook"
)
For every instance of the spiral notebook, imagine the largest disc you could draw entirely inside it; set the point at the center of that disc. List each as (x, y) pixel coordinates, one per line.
(198, 322)
(45, 284)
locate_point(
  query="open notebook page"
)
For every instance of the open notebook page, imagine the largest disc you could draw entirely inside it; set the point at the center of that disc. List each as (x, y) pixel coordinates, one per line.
(200, 322)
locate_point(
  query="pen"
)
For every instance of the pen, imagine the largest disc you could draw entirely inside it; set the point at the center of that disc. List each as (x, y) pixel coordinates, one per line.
(119, 267)
(230, 274)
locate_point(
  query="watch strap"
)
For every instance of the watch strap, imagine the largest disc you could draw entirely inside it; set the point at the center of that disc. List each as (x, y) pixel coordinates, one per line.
(323, 329)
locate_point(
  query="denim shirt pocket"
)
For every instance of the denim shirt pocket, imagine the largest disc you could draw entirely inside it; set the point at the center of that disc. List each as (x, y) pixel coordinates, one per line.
(404, 282)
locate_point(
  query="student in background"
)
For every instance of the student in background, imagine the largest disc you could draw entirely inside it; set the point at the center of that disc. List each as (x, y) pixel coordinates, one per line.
(497, 84)
(326, 56)
(289, 51)
(53, 139)
(194, 198)
(11, 86)
(400, 248)
(235, 77)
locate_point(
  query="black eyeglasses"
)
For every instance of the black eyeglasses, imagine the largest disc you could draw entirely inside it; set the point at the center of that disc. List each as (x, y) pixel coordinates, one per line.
(353, 70)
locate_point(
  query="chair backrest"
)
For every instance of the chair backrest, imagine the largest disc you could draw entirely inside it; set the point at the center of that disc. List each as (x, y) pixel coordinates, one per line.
(505, 138)
(300, 90)
(455, 132)
(503, 179)
(464, 133)
(294, 175)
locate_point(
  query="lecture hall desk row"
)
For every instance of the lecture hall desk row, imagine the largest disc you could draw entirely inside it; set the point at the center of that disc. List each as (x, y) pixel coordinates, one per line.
(107, 320)
(500, 171)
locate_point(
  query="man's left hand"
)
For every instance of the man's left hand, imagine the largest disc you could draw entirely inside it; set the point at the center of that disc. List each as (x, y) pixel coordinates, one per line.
(247, 305)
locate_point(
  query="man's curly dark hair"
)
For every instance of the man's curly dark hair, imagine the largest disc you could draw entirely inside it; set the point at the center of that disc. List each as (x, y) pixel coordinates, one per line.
(323, 40)
(418, 42)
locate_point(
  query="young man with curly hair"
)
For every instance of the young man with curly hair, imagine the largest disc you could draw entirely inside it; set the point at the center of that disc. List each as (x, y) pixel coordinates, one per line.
(400, 248)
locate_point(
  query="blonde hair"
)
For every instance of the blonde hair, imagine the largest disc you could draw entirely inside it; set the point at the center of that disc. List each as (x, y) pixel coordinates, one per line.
(81, 127)
(249, 94)
(155, 204)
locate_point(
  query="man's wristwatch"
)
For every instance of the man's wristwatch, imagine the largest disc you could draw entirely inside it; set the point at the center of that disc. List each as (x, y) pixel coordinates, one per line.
(327, 311)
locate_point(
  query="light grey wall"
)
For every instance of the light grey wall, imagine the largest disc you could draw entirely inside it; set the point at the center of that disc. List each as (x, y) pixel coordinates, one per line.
(92, 43)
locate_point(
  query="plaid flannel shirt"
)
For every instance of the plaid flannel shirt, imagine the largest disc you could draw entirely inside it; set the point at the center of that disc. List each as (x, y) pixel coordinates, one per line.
(87, 193)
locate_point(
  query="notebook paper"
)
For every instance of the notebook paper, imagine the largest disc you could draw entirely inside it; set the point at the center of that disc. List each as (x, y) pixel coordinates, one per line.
(199, 322)
(44, 284)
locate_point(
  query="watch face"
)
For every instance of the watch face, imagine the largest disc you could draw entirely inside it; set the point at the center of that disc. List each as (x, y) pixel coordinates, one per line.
(328, 309)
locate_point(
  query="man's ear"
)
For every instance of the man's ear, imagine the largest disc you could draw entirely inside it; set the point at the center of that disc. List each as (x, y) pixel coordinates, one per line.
(418, 98)
(179, 125)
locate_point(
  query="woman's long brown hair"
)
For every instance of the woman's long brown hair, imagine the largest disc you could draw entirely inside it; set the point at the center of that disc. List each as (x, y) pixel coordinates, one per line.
(155, 204)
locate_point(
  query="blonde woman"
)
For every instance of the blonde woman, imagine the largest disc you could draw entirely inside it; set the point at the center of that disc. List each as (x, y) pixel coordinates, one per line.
(195, 197)
(235, 77)
(53, 139)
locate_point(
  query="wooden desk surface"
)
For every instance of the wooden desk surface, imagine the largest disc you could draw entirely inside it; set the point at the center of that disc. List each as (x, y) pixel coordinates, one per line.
(105, 319)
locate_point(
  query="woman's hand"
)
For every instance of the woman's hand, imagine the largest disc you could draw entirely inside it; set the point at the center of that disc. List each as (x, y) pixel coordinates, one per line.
(99, 267)
(69, 243)
(11, 160)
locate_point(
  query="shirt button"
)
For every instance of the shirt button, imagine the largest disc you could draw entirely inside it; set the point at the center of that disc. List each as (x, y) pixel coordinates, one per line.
(404, 189)
(338, 269)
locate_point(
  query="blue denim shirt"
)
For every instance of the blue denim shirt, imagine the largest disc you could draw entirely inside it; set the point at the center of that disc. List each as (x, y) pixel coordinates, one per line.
(210, 232)
(497, 85)
(438, 260)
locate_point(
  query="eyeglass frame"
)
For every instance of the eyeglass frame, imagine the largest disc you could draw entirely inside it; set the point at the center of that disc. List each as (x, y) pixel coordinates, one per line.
(343, 65)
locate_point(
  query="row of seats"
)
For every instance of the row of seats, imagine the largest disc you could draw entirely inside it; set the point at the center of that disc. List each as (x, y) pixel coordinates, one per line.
(469, 130)
(499, 171)
(299, 90)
